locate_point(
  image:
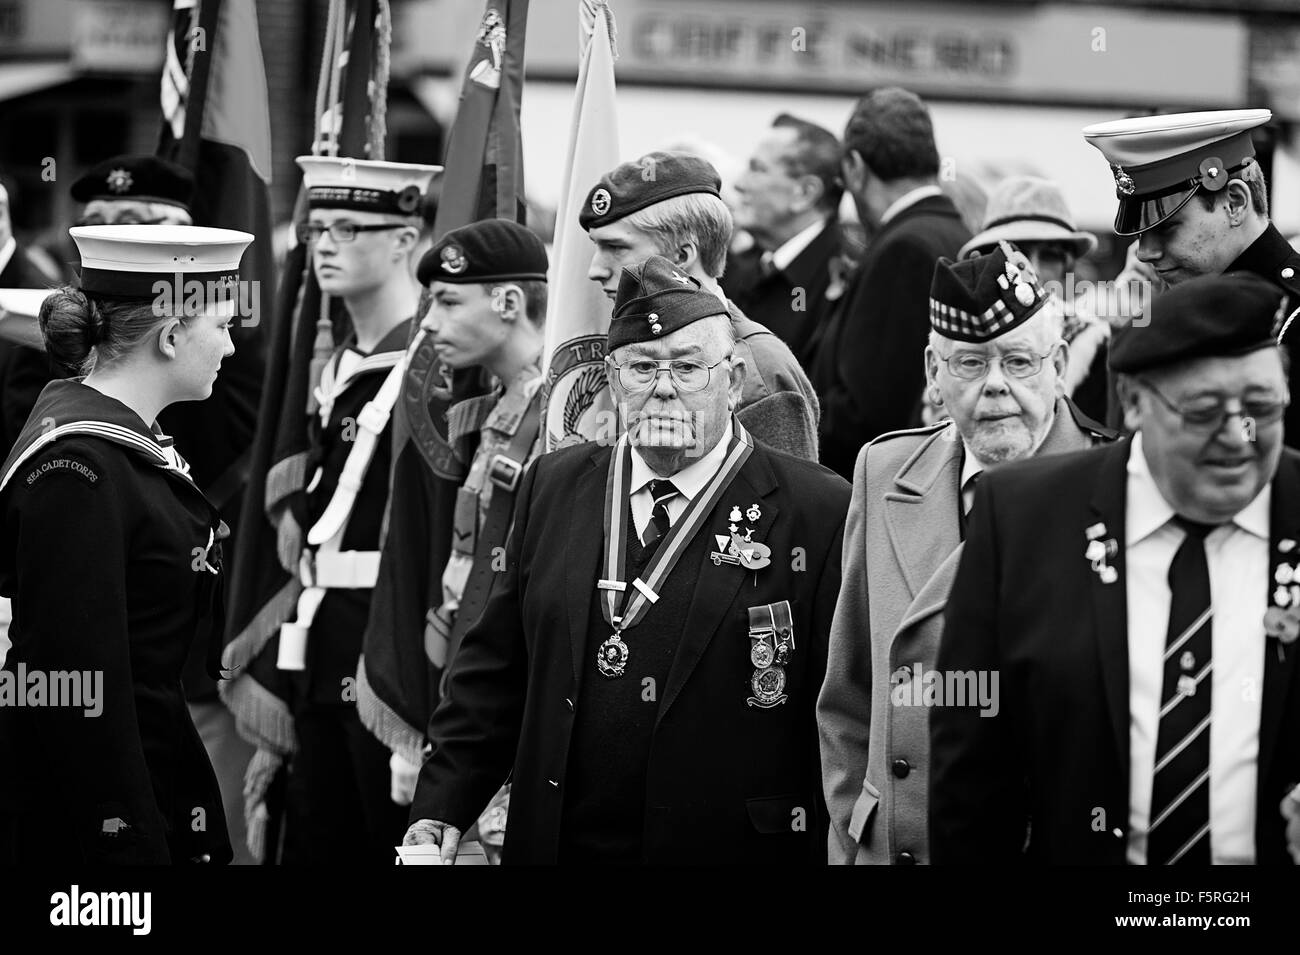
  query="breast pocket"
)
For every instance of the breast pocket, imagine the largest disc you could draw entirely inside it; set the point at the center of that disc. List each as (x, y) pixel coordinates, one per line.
(863, 817)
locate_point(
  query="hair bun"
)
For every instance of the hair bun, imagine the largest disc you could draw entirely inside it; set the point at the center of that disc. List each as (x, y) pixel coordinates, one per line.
(72, 325)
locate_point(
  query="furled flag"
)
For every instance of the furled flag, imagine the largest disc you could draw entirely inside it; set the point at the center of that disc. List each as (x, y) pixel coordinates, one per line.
(578, 405)
(433, 425)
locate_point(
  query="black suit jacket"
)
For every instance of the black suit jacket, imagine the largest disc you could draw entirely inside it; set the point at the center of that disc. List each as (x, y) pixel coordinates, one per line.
(24, 371)
(725, 780)
(869, 367)
(776, 302)
(1027, 605)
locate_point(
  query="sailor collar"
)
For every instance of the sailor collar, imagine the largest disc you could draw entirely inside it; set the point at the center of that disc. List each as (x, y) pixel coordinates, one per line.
(77, 409)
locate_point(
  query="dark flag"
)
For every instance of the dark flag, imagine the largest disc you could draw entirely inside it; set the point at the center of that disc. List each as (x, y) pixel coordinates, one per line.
(216, 123)
(265, 584)
(397, 685)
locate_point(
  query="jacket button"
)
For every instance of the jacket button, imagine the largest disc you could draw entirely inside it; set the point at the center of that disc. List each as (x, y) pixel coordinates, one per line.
(1288, 272)
(906, 858)
(901, 768)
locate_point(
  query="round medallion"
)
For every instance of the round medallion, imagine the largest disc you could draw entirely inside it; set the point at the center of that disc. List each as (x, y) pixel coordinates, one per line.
(761, 655)
(768, 683)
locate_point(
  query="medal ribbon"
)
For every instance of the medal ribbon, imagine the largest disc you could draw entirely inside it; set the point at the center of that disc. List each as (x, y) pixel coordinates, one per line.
(671, 547)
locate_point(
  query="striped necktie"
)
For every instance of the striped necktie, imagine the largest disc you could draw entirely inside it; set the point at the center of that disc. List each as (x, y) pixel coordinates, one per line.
(662, 492)
(1179, 828)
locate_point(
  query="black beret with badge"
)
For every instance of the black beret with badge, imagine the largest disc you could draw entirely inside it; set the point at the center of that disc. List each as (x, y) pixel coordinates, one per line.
(1217, 315)
(655, 299)
(490, 250)
(980, 298)
(1160, 162)
(642, 182)
(137, 179)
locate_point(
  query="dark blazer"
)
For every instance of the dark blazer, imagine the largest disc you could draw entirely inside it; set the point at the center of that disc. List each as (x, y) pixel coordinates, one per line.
(1027, 605)
(869, 367)
(24, 371)
(103, 552)
(771, 299)
(1272, 257)
(724, 780)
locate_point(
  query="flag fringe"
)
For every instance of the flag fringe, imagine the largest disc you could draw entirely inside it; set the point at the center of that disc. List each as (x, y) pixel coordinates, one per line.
(265, 624)
(384, 722)
(261, 717)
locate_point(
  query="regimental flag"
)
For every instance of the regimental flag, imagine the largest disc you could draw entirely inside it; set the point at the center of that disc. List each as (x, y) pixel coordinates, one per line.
(434, 429)
(216, 123)
(578, 405)
(265, 584)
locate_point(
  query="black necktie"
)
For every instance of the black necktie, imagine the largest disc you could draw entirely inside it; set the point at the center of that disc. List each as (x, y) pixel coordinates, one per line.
(662, 492)
(1179, 828)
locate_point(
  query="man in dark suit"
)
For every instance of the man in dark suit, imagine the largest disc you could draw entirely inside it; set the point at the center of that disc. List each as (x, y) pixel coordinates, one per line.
(647, 668)
(788, 200)
(869, 369)
(1137, 606)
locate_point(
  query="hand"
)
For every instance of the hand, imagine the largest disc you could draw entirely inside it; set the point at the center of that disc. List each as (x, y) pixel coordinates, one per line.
(257, 779)
(1291, 813)
(405, 774)
(430, 832)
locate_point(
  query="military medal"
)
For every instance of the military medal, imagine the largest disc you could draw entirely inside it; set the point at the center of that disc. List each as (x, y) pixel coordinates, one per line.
(771, 632)
(611, 658)
(623, 604)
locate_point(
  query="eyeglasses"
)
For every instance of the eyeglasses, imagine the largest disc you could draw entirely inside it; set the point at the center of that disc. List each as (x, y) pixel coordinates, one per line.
(1207, 415)
(971, 367)
(687, 374)
(339, 231)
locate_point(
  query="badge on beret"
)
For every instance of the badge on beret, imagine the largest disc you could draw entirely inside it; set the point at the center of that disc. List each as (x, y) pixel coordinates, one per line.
(600, 201)
(1123, 181)
(119, 181)
(453, 260)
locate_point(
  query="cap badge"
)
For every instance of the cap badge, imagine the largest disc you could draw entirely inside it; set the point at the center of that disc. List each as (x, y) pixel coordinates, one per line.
(453, 260)
(119, 181)
(600, 201)
(1213, 175)
(1123, 181)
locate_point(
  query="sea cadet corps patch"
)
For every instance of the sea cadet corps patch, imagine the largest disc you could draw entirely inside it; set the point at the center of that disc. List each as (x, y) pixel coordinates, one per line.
(63, 465)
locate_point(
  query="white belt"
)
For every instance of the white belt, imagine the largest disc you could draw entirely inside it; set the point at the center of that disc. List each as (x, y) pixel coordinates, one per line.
(341, 570)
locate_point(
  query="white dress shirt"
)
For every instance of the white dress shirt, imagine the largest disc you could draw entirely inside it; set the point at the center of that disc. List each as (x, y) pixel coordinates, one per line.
(1237, 554)
(791, 247)
(689, 481)
(909, 199)
(970, 466)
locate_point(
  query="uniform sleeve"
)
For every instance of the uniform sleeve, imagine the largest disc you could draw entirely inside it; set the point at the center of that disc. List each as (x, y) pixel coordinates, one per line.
(844, 706)
(977, 799)
(475, 728)
(71, 598)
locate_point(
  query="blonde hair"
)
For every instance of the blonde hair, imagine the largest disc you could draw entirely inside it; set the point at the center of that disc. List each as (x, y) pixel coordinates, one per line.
(699, 218)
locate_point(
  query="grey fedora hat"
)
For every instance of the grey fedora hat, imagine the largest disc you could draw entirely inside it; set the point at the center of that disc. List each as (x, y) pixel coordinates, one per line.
(1028, 209)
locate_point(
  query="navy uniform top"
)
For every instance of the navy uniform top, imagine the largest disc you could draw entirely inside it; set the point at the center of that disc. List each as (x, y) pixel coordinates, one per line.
(1272, 257)
(334, 645)
(108, 551)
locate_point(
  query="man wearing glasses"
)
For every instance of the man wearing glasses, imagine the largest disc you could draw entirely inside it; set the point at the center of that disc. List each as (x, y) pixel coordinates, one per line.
(647, 667)
(362, 227)
(1141, 604)
(994, 363)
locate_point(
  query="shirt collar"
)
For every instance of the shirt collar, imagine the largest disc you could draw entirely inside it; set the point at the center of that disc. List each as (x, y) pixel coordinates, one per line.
(909, 199)
(691, 479)
(1147, 510)
(793, 246)
(970, 465)
(7, 252)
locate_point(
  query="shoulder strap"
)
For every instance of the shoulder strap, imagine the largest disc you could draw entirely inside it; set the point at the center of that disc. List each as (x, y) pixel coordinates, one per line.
(496, 527)
(370, 423)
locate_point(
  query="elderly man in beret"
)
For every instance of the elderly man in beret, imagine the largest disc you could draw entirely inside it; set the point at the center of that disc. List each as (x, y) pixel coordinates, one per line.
(995, 363)
(669, 204)
(1139, 603)
(646, 669)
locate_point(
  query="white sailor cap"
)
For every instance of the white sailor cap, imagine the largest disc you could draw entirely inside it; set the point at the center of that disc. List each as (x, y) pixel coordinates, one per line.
(365, 184)
(1160, 162)
(130, 259)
